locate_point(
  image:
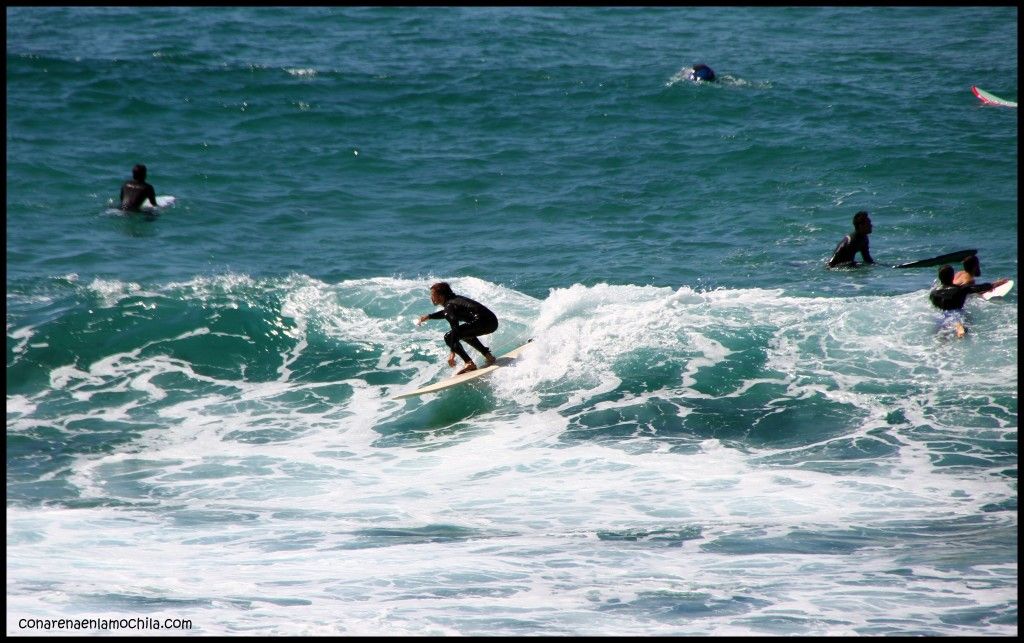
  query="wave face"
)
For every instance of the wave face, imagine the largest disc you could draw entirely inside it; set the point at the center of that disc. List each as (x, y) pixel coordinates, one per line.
(661, 460)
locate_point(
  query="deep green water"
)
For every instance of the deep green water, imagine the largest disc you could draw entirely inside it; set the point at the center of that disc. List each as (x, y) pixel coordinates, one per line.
(712, 435)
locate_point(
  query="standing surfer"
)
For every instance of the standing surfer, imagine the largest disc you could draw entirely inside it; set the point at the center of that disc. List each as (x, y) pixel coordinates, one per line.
(477, 320)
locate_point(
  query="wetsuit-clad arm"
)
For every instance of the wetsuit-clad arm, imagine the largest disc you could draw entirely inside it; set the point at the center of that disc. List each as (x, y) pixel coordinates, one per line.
(435, 315)
(978, 288)
(953, 297)
(462, 309)
(864, 251)
(465, 309)
(150, 194)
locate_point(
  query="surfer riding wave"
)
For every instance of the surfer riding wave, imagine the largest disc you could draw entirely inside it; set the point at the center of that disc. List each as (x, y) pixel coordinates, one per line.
(477, 320)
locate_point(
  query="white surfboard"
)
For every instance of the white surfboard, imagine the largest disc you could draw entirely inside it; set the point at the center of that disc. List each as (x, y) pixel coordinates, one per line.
(162, 201)
(998, 291)
(505, 360)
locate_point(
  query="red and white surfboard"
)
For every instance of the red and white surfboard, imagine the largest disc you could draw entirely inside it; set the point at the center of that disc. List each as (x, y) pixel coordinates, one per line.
(991, 99)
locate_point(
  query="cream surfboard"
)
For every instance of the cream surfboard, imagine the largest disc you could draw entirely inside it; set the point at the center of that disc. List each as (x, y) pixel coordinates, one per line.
(998, 291)
(504, 360)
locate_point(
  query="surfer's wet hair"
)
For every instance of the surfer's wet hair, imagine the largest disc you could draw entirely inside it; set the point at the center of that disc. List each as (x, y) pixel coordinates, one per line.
(139, 172)
(946, 275)
(442, 290)
(859, 217)
(971, 265)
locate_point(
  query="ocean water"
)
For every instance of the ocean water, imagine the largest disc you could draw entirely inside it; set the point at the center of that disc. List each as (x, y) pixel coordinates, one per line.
(710, 434)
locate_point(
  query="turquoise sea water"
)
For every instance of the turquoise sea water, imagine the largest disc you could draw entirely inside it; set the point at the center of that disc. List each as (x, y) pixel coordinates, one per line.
(711, 434)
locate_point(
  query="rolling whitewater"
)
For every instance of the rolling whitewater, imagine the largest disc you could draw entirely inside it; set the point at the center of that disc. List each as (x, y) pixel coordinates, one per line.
(710, 434)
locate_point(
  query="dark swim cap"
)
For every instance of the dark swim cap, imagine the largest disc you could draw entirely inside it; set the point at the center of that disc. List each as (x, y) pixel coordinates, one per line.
(701, 71)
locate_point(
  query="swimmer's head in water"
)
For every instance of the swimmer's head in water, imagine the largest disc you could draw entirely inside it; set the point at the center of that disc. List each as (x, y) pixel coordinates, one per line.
(700, 71)
(139, 172)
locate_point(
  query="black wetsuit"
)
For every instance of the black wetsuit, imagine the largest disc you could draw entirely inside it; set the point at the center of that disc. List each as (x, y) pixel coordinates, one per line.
(702, 72)
(477, 320)
(848, 249)
(134, 194)
(953, 297)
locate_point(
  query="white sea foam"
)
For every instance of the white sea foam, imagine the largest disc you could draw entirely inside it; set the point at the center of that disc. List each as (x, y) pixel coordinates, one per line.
(22, 336)
(112, 290)
(265, 509)
(18, 405)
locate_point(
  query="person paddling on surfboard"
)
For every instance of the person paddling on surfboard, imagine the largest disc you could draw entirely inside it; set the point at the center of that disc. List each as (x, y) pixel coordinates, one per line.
(855, 242)
(135, 192)
(477, 320)
(949, 296)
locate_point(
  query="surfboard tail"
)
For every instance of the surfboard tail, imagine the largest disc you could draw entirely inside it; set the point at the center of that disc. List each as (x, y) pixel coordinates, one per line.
(505, 360)
(951, 257)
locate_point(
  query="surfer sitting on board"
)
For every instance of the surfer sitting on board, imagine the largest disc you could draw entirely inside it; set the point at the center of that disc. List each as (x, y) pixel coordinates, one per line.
(948, 296)
(135, 192)
(972, 269)
(477, 320)
(855, 242)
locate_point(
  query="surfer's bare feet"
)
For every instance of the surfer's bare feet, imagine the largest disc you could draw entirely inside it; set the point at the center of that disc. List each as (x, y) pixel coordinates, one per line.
(467, 368)
(490, 359)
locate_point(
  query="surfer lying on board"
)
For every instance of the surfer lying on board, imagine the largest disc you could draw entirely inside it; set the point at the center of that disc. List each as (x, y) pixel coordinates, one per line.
(972, 269)
(135, 192)
(477, 320)
(855, 242)
(948, 296)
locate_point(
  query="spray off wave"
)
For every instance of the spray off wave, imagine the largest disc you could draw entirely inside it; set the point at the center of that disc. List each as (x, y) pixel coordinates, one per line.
(869, 360)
